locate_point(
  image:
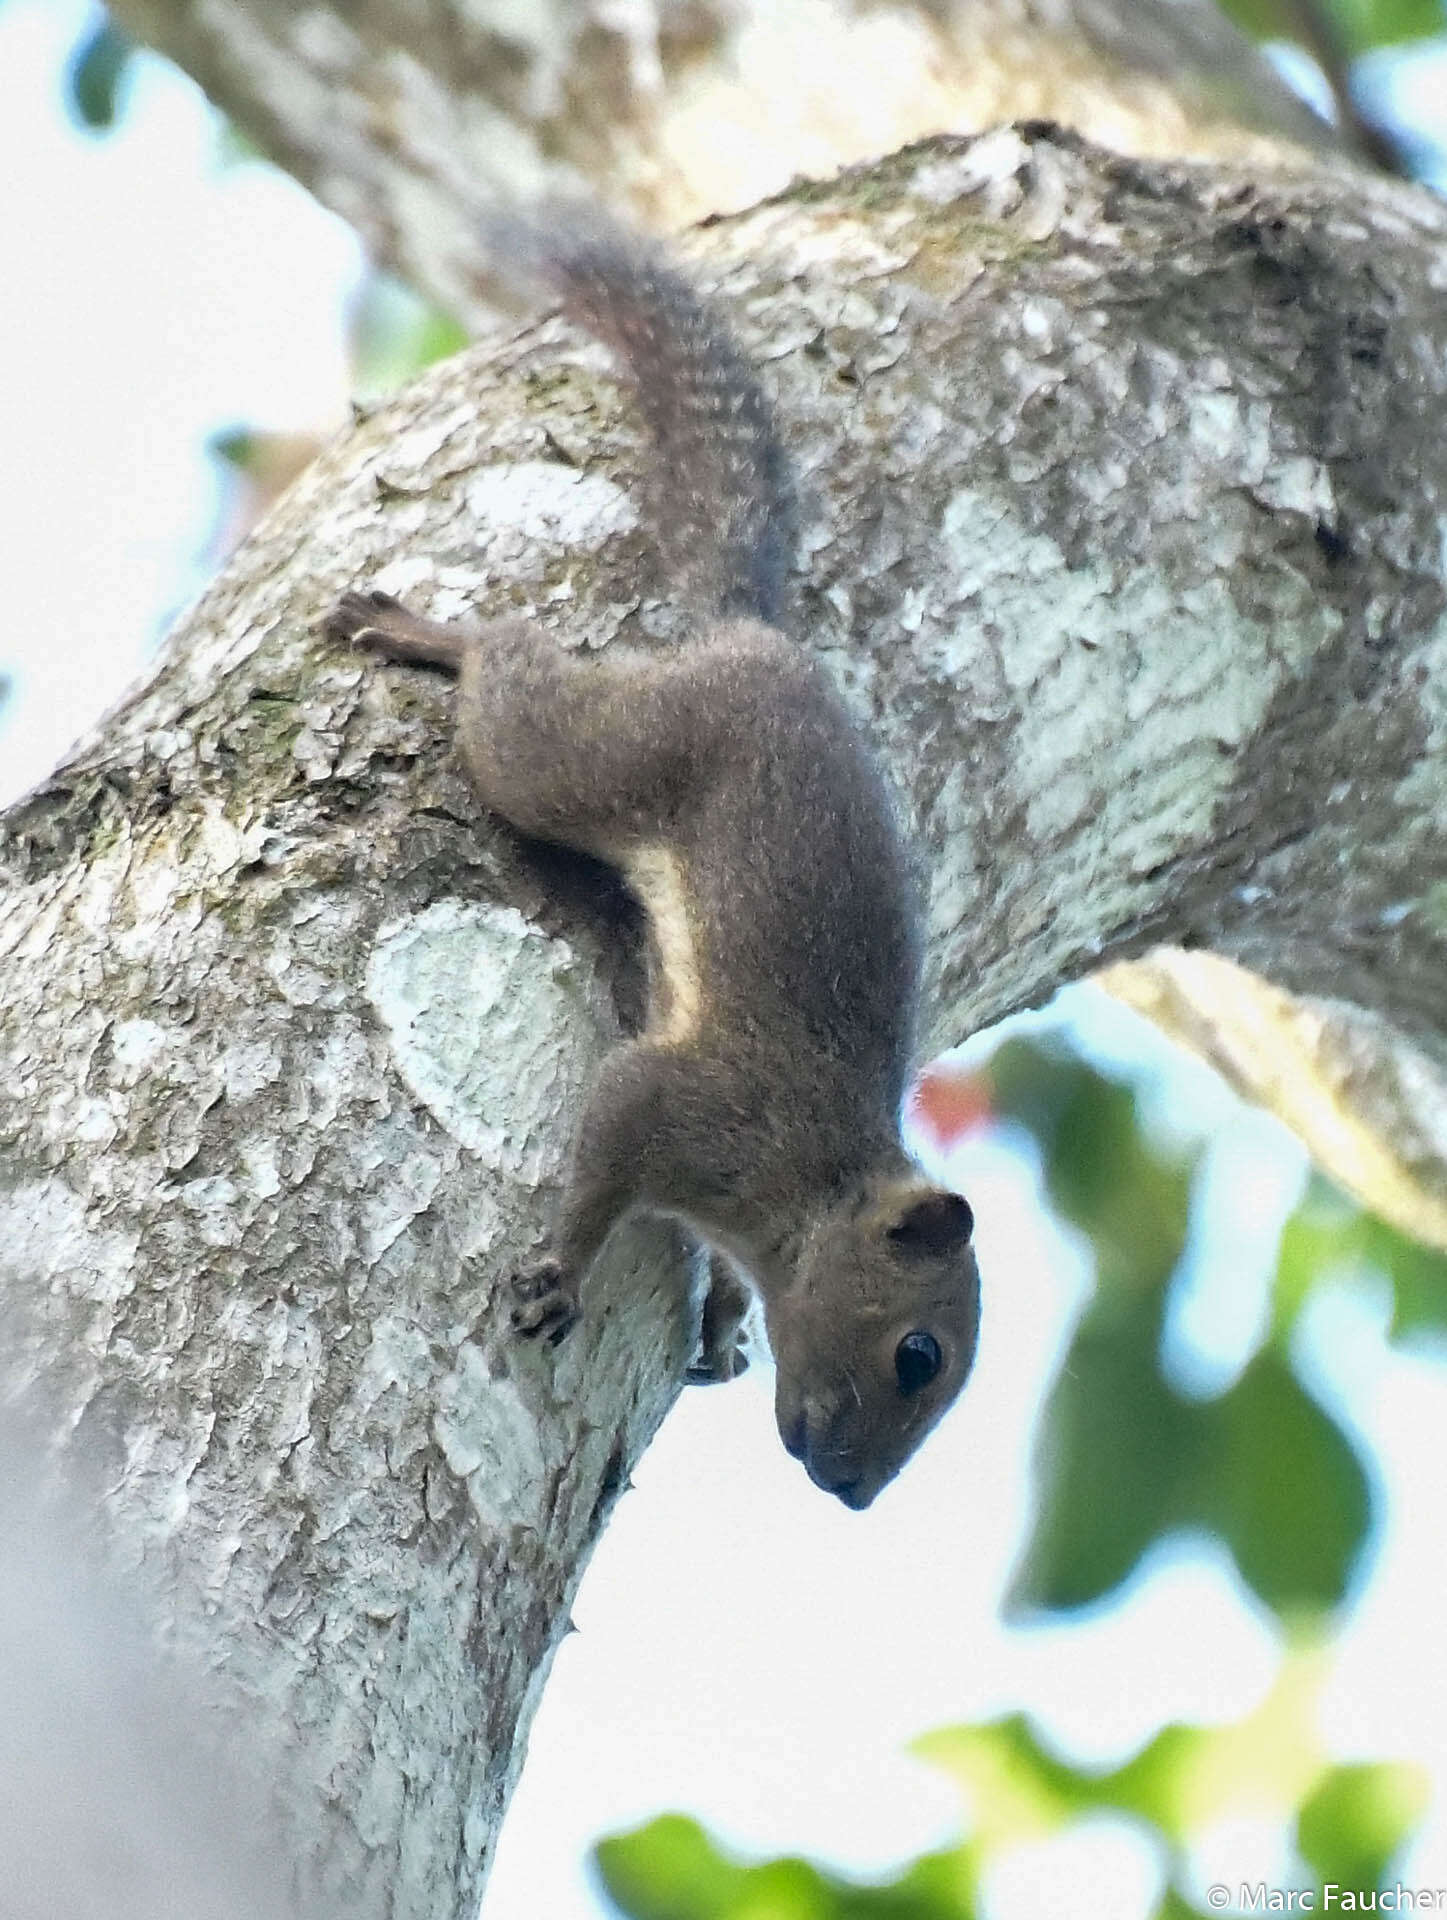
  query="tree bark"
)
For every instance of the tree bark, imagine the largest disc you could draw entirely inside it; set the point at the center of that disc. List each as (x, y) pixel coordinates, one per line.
(1122, 486)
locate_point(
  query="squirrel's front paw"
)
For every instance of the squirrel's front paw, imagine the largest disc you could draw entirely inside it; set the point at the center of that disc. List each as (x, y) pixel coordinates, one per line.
(719, 1360)
(546, 1302)
(360, 619)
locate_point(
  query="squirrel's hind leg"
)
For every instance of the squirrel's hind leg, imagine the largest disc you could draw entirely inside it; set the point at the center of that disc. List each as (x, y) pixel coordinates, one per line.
(592, 750)
(380, 624)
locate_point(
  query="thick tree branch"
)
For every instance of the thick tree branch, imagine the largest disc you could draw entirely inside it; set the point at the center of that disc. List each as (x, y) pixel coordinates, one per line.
(1369, 1107)
(403, 119)
(1122, 493)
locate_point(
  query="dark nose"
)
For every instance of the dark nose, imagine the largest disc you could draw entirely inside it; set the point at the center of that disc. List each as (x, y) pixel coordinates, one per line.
(829, 1480)
(850, 1492)
(830, 1474)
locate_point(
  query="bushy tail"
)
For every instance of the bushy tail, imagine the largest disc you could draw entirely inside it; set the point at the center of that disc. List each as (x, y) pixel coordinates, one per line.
(723, 506)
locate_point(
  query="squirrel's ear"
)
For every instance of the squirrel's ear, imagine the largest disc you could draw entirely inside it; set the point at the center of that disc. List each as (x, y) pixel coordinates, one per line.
(934, 1222)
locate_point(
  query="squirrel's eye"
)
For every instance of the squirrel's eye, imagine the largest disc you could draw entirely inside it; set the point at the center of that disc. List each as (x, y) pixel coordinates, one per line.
(917, 1359)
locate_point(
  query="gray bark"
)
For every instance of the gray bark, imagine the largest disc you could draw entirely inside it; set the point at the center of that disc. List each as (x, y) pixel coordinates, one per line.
(1122, 496)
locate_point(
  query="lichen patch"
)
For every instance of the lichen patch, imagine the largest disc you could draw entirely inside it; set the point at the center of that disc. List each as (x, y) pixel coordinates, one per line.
(473, 999)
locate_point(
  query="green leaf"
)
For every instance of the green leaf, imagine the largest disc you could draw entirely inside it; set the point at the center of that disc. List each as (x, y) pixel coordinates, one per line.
(1117, 1459)
(1349, 1821)
(97, 74)
(1101, 1171)
(1362, 25)
(1118, 1445)
(1187, 1778)
(1018, 1788)
(1329, 1234)
(1124, 1458)
(1262, 19)
(671, 1870)
(1365, 24)
(1418, 1275)
(1175, 1906)
(234, 446)
(668, 1870)
(1284, 1488)
(1321, 1237)
(1355, 1821)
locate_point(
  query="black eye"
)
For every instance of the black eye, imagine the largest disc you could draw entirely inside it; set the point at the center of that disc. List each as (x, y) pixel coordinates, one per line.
(917, 1359)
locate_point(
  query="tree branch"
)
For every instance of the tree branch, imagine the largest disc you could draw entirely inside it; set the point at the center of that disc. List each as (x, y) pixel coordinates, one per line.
(402, 120)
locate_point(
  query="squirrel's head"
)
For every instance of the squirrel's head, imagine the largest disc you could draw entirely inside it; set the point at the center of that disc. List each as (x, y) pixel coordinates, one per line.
(876, 1333)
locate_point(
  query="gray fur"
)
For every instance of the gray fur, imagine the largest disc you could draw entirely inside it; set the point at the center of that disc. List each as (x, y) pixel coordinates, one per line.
(729, 784)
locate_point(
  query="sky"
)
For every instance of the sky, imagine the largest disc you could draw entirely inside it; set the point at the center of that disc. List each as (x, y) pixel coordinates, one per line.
(748, 1650)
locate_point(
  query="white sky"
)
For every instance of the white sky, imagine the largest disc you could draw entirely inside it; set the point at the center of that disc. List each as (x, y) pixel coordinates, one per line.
(748, 1650)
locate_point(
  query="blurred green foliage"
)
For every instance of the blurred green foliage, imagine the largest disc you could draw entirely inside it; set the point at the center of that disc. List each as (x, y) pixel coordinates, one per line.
(395, 333)
(671, 1870)
(1337, 35)
(1359, 25)
(1125, 1458)
(1348, 1822)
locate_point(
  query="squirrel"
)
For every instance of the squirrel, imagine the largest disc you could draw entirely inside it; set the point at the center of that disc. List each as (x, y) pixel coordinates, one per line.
(725, 780)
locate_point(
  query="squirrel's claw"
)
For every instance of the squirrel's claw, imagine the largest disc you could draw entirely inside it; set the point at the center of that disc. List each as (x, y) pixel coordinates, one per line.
(546, 1302)
(353, 620)
(715, 1369)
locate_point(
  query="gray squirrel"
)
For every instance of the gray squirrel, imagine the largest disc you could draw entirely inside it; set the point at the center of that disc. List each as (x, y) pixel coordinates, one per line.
(725, 780)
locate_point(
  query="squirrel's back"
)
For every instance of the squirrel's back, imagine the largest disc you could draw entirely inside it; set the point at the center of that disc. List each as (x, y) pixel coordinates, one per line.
(802, 921)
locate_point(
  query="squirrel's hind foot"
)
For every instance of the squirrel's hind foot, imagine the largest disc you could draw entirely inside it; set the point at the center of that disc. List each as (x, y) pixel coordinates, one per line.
(380, 624)
(354, 620)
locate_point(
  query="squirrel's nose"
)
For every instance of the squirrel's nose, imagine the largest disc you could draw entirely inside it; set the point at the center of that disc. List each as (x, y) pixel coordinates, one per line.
(849, 1487)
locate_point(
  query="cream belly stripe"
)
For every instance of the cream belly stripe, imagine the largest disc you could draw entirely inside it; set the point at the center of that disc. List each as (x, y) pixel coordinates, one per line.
(656, 875)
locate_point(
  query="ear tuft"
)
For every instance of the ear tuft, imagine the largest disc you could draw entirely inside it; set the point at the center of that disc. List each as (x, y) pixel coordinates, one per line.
(934, 1223)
